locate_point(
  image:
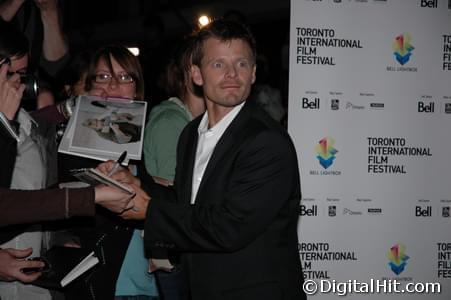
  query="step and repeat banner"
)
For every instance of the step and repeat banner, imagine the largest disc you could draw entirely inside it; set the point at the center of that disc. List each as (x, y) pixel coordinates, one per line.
(370, 115)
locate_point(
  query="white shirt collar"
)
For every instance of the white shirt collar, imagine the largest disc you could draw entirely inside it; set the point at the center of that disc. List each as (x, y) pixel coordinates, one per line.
(222, 125)
(25, 121)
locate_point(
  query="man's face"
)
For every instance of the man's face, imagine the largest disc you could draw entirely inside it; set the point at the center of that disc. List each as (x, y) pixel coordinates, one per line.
(18, 65)
(227, 73)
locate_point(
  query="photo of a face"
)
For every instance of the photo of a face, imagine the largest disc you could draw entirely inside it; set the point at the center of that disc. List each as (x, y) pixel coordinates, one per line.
(107, 126)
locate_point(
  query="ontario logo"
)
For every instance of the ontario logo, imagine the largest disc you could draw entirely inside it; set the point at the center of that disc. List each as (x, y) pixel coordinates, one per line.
(326, 152)
(398, 258)
(403, 48)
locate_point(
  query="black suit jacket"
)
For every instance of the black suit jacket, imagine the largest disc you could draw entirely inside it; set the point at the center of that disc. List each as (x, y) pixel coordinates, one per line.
(239, 239)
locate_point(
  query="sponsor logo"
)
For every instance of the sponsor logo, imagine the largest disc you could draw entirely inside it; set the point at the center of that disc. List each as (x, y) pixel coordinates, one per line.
(398, 258)
(376, 105)
(421, 211)
(448, 106)
(332, 210)
(326, 152)
(374, 211)
(428, 3)
(350, 105)
(426, 107)
(403, 48)
(310, 104)
(311, 211)
(446, 212)
(334, 104)
(347, 211)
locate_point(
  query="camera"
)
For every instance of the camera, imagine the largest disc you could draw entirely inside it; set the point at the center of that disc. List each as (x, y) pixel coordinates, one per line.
(31, 86)
(29, 80)
(45, 268)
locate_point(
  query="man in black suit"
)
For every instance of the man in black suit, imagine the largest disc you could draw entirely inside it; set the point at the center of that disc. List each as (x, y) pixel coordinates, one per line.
(235, 214)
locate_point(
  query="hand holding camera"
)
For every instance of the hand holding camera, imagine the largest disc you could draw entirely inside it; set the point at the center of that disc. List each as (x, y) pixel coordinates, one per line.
(13, 262)
(10, 92)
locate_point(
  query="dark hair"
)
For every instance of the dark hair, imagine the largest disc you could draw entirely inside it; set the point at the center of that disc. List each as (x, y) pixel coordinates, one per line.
(12, 41)
(124, 58)
(76, 67)
(224, 30)
(176, 79)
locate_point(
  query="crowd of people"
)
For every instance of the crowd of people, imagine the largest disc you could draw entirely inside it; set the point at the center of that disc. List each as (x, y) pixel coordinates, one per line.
(214, 213)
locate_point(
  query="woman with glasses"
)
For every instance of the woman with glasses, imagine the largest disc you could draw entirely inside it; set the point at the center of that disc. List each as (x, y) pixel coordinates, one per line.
(114, 72)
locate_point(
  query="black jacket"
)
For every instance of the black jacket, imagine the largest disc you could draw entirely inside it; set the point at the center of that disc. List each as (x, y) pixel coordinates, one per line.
(239, 240)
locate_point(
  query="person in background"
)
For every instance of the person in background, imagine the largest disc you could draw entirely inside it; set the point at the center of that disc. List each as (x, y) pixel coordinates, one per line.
(269, 98)
(234, 216)
(39, 205)
(73, 76)
(115, 72)
(41, 22)
(166, 122)
(34, 167)
(52, 44)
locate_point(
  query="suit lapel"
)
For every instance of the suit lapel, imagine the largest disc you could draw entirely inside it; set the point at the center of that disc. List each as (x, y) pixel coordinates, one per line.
(231, 137)
(186, 177)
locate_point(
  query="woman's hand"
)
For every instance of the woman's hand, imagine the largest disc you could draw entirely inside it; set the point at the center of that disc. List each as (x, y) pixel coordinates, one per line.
(10, 94)
(113, 199)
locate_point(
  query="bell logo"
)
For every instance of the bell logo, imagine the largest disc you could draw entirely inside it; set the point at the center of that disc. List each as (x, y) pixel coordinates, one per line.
(428, 3)
(426, 107)
(311, 212)
(314, 104)
(423, 212)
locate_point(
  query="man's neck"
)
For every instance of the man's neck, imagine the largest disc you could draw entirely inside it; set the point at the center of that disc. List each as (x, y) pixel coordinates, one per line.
(196, 105)
(216, 114)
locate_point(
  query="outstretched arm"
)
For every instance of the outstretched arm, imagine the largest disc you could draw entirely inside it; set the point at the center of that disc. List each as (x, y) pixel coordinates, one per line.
(54, 46)
(9, 8)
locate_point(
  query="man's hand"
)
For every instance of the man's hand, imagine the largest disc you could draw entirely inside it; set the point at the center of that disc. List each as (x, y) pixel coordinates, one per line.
(10, 95)
(140, 203)
(122, 174)
(12, 261)
(113, 199)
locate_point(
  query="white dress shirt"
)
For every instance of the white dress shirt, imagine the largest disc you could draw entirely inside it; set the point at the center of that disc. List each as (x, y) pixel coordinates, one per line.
(29, 174)
(208, 138)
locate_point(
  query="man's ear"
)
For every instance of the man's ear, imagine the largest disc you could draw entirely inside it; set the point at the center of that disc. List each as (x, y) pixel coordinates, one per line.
(253, 73)
(196, 75)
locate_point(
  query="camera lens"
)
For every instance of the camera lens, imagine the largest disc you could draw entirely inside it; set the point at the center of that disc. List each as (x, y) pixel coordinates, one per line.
(31, 86)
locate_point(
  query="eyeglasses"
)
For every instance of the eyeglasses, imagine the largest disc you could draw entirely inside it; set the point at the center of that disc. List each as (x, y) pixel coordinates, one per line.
(122, 78)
